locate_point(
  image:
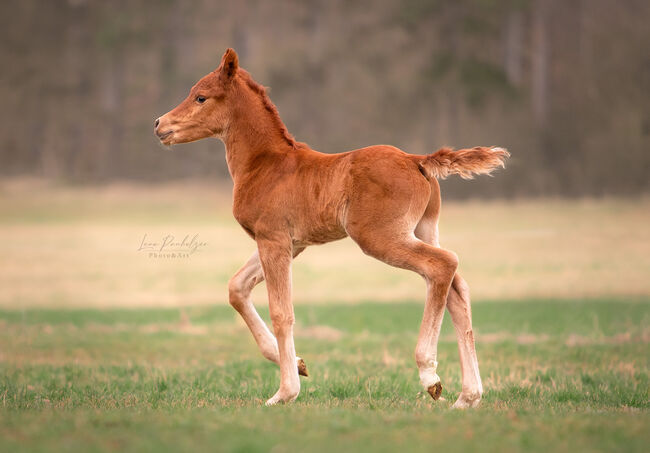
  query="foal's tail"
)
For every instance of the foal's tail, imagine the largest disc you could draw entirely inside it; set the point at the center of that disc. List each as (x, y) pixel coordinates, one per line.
(464, 162)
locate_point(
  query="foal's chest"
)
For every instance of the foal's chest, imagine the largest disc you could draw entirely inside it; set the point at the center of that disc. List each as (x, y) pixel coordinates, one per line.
(256, 209)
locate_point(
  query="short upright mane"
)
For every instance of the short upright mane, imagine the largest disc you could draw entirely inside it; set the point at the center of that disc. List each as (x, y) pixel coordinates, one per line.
(269, 106)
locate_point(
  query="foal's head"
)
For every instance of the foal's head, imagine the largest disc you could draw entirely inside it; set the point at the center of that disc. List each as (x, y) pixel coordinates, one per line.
(206, 111)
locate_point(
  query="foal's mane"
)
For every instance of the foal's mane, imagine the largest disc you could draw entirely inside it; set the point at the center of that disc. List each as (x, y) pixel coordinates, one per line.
(269, 106)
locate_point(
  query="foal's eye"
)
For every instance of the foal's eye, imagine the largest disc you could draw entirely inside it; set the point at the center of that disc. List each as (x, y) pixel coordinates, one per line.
(200, 99)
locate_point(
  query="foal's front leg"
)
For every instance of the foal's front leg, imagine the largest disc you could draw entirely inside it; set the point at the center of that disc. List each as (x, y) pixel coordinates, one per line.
(275, 255)
(239, 288)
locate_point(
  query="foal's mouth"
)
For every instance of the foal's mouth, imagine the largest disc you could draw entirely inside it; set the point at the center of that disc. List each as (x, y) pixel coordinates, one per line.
(165, 135)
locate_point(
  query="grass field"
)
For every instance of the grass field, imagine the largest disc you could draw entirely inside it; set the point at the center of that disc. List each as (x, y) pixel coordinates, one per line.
(559, 376)
(103, 348)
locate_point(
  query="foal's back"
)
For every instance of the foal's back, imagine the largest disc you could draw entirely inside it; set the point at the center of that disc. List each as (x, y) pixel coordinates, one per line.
(319, 196)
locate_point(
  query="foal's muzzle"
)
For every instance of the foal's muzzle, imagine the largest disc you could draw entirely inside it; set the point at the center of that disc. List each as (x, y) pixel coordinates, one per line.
(161, 132)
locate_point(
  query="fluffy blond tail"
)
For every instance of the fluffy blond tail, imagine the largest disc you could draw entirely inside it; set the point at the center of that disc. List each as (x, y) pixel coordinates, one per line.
(464, 162)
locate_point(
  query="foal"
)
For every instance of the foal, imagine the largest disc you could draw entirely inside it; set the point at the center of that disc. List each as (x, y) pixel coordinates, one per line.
(287, 196)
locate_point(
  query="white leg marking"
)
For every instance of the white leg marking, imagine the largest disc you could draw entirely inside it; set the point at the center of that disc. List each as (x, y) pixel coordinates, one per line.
(428, 376)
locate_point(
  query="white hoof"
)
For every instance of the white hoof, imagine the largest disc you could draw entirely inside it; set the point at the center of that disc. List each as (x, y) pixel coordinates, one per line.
(467, 400)
(281, 397)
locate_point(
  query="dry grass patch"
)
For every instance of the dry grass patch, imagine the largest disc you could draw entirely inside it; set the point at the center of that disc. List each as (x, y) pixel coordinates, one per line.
(78, 247)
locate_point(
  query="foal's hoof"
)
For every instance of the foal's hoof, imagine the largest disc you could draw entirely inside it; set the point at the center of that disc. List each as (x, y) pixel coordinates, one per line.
(302, 368)
(281, 398)
(467, 401)
(435, 390)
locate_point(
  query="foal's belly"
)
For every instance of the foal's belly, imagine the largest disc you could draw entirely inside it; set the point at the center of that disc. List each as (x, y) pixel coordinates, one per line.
(318, 234)
(318, 215)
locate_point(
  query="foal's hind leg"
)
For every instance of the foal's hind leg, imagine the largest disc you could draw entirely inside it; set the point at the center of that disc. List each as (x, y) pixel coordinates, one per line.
(458, 304)
(239, 288)
(460, 310)
(437, 267)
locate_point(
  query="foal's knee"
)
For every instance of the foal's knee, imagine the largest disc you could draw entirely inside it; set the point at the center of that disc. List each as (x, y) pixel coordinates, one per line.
(282, 321)
(236, 295)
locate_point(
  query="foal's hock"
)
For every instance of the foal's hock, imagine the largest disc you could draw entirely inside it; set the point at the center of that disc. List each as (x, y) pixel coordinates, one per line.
(287, 196)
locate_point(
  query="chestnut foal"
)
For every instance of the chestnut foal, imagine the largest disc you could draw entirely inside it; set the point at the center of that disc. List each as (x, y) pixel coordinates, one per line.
(288, 196)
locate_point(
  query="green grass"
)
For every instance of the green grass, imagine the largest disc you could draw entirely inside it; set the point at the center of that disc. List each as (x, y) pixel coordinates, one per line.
(566, 375)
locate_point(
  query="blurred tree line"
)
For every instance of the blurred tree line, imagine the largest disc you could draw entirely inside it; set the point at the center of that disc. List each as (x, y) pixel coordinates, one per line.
(565, 85)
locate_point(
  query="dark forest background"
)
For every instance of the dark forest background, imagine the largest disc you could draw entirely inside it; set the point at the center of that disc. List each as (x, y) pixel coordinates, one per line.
(564, 84)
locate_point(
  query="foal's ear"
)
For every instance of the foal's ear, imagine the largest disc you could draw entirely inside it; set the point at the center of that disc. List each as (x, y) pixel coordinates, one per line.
(229, 64)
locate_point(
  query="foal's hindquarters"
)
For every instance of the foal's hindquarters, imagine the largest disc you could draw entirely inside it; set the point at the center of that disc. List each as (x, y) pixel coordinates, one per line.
(394, 218)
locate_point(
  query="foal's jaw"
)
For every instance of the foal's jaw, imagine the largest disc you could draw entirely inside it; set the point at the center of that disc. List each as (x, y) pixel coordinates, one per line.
(174, 132)
(182, 135)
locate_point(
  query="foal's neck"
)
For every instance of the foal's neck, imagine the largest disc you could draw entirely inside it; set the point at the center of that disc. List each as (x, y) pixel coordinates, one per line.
(253, 132)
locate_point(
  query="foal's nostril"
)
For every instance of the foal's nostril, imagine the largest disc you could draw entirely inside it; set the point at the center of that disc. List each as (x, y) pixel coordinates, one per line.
(156, 123)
